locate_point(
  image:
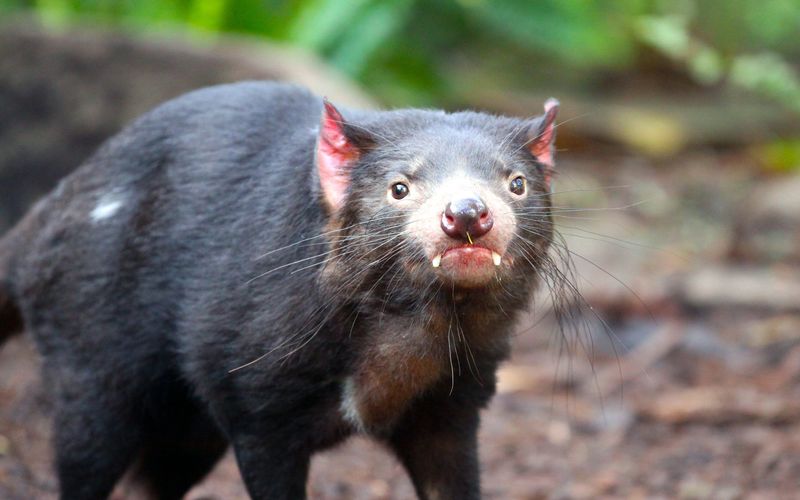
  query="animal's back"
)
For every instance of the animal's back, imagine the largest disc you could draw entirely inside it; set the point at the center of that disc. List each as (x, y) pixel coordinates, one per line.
(131, 226)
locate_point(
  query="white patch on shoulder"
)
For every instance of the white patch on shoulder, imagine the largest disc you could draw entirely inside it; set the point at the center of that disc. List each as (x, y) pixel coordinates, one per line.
(107, 206)
(348, 405)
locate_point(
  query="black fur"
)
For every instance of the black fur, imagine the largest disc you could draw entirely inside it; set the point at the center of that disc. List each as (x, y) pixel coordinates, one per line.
(10, 315)
(141, 315)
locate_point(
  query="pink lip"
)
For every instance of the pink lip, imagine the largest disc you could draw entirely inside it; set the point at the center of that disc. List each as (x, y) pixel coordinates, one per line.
(468, 254)
(468, 265)
(468, 248)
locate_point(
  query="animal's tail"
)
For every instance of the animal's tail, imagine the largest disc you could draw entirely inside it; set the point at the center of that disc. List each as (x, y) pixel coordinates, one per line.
(10, 315)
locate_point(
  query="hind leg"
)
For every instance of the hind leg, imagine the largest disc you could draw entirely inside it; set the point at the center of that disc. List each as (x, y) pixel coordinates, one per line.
(179, 456)
(169, 471)
(95, 440)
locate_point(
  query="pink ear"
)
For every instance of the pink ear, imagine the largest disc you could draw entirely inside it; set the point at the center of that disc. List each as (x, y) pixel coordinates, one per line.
(334, 156)
(542, 137)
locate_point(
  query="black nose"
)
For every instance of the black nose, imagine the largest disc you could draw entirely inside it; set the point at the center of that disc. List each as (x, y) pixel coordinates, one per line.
(466, 218)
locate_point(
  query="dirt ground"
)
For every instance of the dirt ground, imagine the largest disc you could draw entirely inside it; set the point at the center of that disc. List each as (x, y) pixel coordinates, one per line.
(682, 381)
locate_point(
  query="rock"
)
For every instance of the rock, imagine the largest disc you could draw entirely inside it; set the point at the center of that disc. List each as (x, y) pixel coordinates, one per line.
(657, 124)
(719, 406)
(516, 377)
(721, 286)
(767, 227)
(63, 93)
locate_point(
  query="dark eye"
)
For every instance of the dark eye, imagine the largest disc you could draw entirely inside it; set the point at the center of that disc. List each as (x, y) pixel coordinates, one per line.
(399, 190)
(517, 186)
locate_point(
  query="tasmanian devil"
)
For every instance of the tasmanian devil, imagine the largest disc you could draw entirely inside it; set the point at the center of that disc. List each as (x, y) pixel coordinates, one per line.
(246, 265)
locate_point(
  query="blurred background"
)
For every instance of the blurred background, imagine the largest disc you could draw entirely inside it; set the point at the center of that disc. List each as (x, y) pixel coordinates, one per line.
(678, 375)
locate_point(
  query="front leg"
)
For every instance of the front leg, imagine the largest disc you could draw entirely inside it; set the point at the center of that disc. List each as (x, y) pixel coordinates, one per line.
(271, 467)
(438, 446)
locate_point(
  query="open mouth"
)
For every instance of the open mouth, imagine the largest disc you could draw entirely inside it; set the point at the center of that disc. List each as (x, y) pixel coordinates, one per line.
(468, 265)
(468, 255)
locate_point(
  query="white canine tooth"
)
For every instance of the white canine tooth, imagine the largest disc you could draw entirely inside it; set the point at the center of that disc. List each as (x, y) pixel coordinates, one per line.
(437, 260)
(496, 258)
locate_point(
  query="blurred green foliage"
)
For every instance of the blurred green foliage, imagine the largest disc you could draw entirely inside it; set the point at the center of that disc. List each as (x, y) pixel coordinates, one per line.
(422, 52)
(780, 156)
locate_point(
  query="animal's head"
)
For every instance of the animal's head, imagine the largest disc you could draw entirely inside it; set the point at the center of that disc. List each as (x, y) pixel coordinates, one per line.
(462, 199)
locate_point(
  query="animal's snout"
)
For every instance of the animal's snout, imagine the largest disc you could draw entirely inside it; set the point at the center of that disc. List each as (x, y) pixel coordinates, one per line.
(467, 218)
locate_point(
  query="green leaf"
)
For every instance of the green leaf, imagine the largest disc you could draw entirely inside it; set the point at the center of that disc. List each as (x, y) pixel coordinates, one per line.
(781, 156)
(321, 22)
(373, 27)
(207, 15)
